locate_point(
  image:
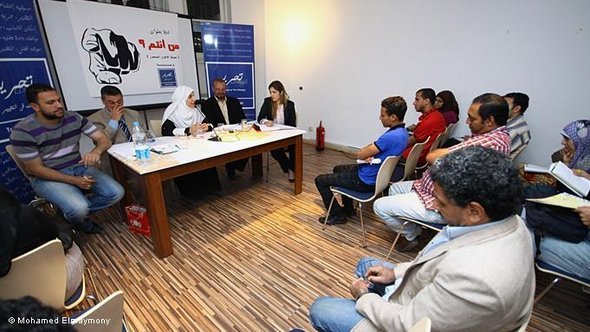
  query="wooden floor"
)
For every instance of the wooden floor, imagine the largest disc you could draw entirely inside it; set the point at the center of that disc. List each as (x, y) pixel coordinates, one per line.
(254, 257)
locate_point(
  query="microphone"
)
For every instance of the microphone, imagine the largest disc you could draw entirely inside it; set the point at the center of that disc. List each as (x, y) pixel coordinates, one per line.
(215, 138)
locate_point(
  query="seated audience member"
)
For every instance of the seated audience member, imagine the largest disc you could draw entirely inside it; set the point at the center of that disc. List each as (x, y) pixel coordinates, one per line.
(47, 143)
(182, 118)
(38, 317)
(573, 257)
(517, 128)
(280, 110)
(25, 228)
(362, 177)
(486, 118)
(115, 120)
(430, 124)
(447, 105)
(221, 108)
(477, 274)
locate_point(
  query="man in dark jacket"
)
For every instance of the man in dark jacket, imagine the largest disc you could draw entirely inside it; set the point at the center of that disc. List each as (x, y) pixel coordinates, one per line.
(221, 108)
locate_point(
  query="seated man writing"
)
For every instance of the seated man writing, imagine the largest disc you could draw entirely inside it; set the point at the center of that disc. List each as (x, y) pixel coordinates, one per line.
(362, 177)
(477, 274)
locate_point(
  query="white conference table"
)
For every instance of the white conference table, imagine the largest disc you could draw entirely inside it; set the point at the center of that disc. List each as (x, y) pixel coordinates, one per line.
(195, 154)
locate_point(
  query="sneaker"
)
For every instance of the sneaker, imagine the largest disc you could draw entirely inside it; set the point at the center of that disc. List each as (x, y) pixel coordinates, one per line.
(333, 220)
(291, 176)
(404, 245)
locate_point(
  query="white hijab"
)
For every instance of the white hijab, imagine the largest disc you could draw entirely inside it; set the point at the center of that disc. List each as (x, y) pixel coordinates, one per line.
(178, 112)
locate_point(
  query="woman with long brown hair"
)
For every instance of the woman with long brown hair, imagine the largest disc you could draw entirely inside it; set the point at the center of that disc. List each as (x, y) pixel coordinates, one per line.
(278, 109)
(446, 103)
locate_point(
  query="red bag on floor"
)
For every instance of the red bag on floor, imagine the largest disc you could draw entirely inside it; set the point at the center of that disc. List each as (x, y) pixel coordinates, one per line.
(137, 219)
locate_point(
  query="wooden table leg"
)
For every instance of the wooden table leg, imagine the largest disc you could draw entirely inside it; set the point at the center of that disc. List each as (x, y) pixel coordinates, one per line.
(156, 209)
(298, 164)
(119, 174)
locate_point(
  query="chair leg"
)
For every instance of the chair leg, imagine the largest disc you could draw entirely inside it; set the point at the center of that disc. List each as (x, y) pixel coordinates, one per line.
(551, 284)
(92, 296)
(364, 234)
(395, 241)
(328, 213)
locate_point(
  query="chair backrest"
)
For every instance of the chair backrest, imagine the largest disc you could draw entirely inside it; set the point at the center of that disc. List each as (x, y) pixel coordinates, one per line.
(423, 325)
(156, 127)
(109, 311)
(518, 151)
(17, 161)
(412, 160)
(437, 142)
(449, 131)
(40, 273)
(385, 172)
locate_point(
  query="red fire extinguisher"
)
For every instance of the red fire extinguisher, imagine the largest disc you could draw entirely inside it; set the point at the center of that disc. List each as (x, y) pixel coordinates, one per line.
(320, 135)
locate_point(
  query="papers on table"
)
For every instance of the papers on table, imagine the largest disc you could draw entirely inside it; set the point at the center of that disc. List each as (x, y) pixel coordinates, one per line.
(165, 148)
(564, 200)
(275, 127)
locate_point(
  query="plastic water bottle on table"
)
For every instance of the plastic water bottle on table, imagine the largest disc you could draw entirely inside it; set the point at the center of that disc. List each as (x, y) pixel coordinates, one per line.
(142, 148)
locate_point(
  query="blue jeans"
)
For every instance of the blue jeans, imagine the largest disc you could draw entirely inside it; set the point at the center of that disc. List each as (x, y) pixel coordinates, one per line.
(337, 314)
(571, 257)
(75, 203)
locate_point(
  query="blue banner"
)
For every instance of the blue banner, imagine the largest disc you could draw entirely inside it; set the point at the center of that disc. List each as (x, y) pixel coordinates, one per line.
(228, 50)
(22, 63)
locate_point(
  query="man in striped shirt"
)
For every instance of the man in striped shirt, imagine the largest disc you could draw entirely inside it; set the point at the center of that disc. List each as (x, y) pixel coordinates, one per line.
(486, 118)
(47, 144)
(517, 127)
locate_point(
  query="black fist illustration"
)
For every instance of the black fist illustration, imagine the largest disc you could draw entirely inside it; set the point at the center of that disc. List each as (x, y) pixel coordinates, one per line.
(111, 55)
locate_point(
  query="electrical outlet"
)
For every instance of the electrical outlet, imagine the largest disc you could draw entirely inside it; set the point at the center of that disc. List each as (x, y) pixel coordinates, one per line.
(310, 128)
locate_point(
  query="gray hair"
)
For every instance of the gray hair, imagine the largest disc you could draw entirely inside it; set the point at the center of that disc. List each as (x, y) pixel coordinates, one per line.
(482, 175)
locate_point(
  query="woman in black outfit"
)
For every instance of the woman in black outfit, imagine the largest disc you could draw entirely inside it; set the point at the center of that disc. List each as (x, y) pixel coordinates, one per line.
(182, 118)
(278, 109)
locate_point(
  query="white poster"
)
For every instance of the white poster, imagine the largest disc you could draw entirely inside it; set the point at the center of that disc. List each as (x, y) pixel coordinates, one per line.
(134, 49)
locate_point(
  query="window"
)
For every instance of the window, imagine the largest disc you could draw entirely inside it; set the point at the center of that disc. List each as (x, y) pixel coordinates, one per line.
(204, 9)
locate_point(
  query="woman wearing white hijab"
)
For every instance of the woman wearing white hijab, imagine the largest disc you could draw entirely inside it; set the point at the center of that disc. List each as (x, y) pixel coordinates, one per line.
(182, 118)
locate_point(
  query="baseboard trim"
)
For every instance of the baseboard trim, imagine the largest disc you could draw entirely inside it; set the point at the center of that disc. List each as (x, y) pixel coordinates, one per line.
(333, 146)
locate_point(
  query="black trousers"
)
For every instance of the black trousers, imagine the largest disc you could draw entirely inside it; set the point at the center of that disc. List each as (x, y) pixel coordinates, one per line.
(286, 163)
(198, 183)
(239, 165)
(343, 176)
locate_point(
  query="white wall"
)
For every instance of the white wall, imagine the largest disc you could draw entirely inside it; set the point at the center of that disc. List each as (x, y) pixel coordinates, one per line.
(348, 55)
(253, 12)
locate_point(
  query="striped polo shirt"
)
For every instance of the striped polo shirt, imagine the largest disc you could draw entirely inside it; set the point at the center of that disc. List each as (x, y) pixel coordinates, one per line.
(58, 146)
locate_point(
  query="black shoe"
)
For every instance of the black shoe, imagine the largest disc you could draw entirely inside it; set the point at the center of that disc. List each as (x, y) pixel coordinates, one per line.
(89, 227)
(350, 213)
(333, 220)
(404, 245)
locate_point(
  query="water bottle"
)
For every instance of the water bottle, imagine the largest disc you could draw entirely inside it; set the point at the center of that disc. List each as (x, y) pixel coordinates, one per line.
(142, 148)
